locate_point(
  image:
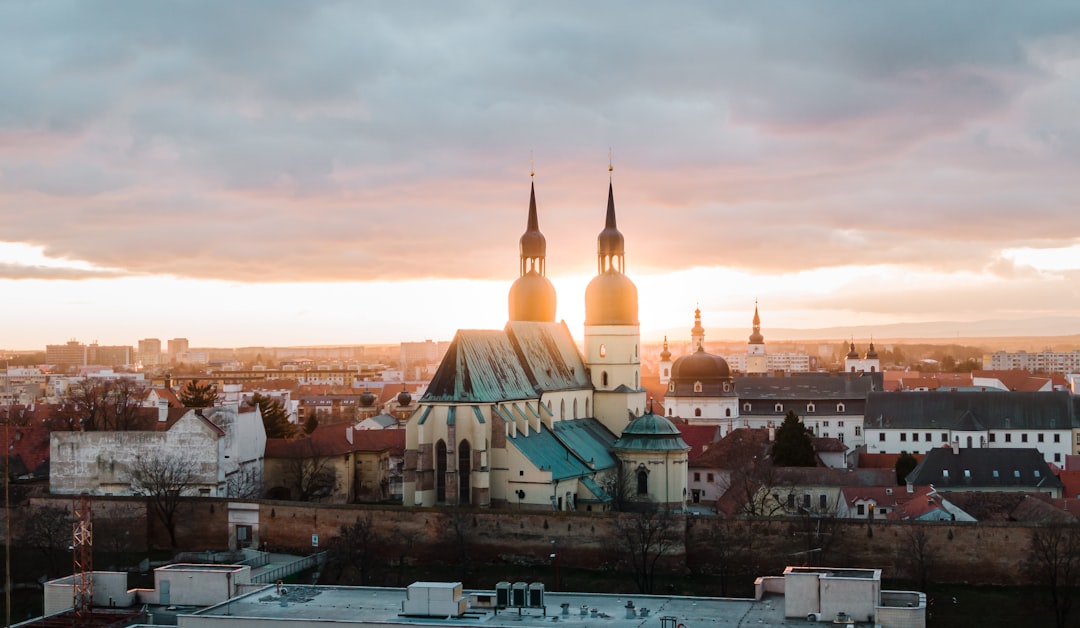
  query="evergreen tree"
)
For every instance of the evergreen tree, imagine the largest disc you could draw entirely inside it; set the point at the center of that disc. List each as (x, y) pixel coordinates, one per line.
(905, 464)
(311, 423)
(275, 418)
(196, 395)
(793, 447)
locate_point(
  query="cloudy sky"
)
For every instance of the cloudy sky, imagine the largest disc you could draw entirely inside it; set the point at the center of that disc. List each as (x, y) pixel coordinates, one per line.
(341, 172)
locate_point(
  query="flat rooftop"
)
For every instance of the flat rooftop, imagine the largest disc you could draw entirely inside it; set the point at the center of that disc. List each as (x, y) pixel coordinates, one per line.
(372, 605)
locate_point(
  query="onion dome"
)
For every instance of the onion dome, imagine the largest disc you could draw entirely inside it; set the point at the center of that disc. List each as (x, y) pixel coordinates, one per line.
(368, 399)
(871, 353)
(651, 432)
(700, 367)
(404, 398)
(665, 355)
(697, 331)
(756, 338)
(611, 298)
(853, 354)
(532, 296)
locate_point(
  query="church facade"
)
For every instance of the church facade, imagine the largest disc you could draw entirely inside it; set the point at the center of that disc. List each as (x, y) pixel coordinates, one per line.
(519, 417)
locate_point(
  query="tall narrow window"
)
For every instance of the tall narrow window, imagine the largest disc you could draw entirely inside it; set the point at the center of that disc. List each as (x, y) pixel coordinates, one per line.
(603, 379)
(642, 482)
(603, 351)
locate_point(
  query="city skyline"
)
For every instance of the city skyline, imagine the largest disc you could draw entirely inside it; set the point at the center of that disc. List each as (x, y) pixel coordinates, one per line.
(319, 173)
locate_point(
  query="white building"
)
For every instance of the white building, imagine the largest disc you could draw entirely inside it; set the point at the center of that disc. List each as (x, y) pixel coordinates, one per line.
(1046, 361)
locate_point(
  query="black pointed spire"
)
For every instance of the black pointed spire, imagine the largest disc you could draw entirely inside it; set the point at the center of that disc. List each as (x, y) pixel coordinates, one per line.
(533, 244)
(610, 245)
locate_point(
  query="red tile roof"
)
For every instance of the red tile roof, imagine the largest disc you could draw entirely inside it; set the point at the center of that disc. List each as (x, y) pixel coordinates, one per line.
(699, 437)
(333, 440)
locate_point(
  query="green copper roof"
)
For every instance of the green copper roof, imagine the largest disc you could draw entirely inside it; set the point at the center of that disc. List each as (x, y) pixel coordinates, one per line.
(651, 432)
(589, 439)
(546, 453)
(480, 367)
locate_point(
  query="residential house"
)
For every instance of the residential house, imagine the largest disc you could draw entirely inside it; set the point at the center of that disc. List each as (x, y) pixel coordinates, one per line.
(970, 469)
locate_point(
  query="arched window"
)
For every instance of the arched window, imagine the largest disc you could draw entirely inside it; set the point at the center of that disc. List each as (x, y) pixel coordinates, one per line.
(603, 351)
(603, 379)
(671, 387)
(697, 387)
(670, 412)
(853, 369)
(642, 481)
(667, 373)
(873, 368)
(587, 407)
(810, 407)
(969, 442)
(575, 409)
(697, 411)
(464, 471)
(727, 387)
(727, 412)
(635, 351)
(779, 407)
(562, 409)
(746, 407)
(839, 407)
(637, 381)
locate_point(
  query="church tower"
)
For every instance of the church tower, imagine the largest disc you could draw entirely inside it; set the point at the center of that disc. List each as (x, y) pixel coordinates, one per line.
(612, 331)
(532, 297)
(665, 364)
(756, 362)
(697, 333)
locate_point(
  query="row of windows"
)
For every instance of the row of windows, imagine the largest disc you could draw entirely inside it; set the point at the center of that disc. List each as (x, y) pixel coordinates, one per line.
(927, 437)
(810, 407)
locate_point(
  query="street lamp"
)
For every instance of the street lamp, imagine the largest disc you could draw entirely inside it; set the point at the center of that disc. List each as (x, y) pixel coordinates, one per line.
(554, 556)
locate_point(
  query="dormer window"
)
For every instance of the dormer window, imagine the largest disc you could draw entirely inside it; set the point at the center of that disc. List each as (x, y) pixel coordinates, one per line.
(810, 407)
(746, 407)
(671, 387)
(839, 407)
(697, 387)
(779, 407)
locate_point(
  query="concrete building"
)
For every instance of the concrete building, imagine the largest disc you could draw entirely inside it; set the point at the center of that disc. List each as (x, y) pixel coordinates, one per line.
(221, 448)
(66, 355)
(177, 348)
(149, 351)
(1039, 362)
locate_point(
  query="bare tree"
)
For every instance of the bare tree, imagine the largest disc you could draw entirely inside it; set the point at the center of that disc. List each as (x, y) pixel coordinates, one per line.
(244, 483)
(1053, 562)
(641, 539)
(48, 530)
(356, 547)
(113, 529)
(310, 475)
(458, 521)
(163, 480)
(916, 555)
(100, 405)
(404, 540)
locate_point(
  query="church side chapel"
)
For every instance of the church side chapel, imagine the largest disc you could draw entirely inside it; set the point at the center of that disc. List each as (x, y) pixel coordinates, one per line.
(519, 418)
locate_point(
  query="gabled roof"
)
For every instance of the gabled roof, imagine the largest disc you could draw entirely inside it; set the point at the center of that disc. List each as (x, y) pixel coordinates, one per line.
(888, 496)
(920, 503)
(993, 410)
(546, 453)
(480, 366)
(808, 386)
(826, 476)
(735, 449)
(824, 445)
(1015, 380)
(548, 354)
(699, 437)
(984, 468)
(1008, 506)
(589, 440)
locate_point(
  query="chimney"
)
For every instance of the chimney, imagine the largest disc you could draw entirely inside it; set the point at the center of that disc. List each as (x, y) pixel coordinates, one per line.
(348, 434)
(163, 410)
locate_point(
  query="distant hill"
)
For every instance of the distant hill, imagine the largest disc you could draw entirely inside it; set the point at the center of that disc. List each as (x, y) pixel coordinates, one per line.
(1065, 329)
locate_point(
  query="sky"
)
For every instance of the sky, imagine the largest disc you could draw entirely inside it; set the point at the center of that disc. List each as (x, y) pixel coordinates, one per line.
(292, 173)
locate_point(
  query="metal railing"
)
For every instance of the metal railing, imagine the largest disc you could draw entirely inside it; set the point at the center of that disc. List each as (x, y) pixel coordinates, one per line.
(279, 572)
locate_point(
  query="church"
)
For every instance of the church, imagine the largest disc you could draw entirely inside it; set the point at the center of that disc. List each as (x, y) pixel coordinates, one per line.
(520, 418)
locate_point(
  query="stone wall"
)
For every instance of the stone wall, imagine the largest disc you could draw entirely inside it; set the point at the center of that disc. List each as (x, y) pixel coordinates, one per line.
(956, 552)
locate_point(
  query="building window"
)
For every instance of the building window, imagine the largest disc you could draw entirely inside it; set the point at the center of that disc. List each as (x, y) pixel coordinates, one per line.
(860, 509)
(697, 387)
(840, 423)
(727, 412)
(670, 412)
(858, 431)
(562, 409)
(1057, 457)
(993, 437)
(671, 387)
(809, 407)
(823, 501)
(1023, 438)
(642, 482)
(839, 407)
(603, 351)
(1008, 438)
(806, 501)
(779, 407)
(903, 437)
(881, 436)
(575, 409)
(840, 437)
(697, 476)
(697, 411)
(915, 437)
(927, 437)
(709, 477)
(1040, 437)
(825, 423)
(746, 407)
(603, 379)
(666, 373)
(791, 501)
(944, 437)
(1057, 438)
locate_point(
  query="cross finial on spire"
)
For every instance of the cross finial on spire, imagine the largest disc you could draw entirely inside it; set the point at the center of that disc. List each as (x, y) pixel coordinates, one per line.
(610, 161)
(532, 171)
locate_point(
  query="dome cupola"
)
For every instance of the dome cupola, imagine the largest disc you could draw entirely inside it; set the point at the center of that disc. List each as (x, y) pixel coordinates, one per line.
(611, 298)
(532, 296)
